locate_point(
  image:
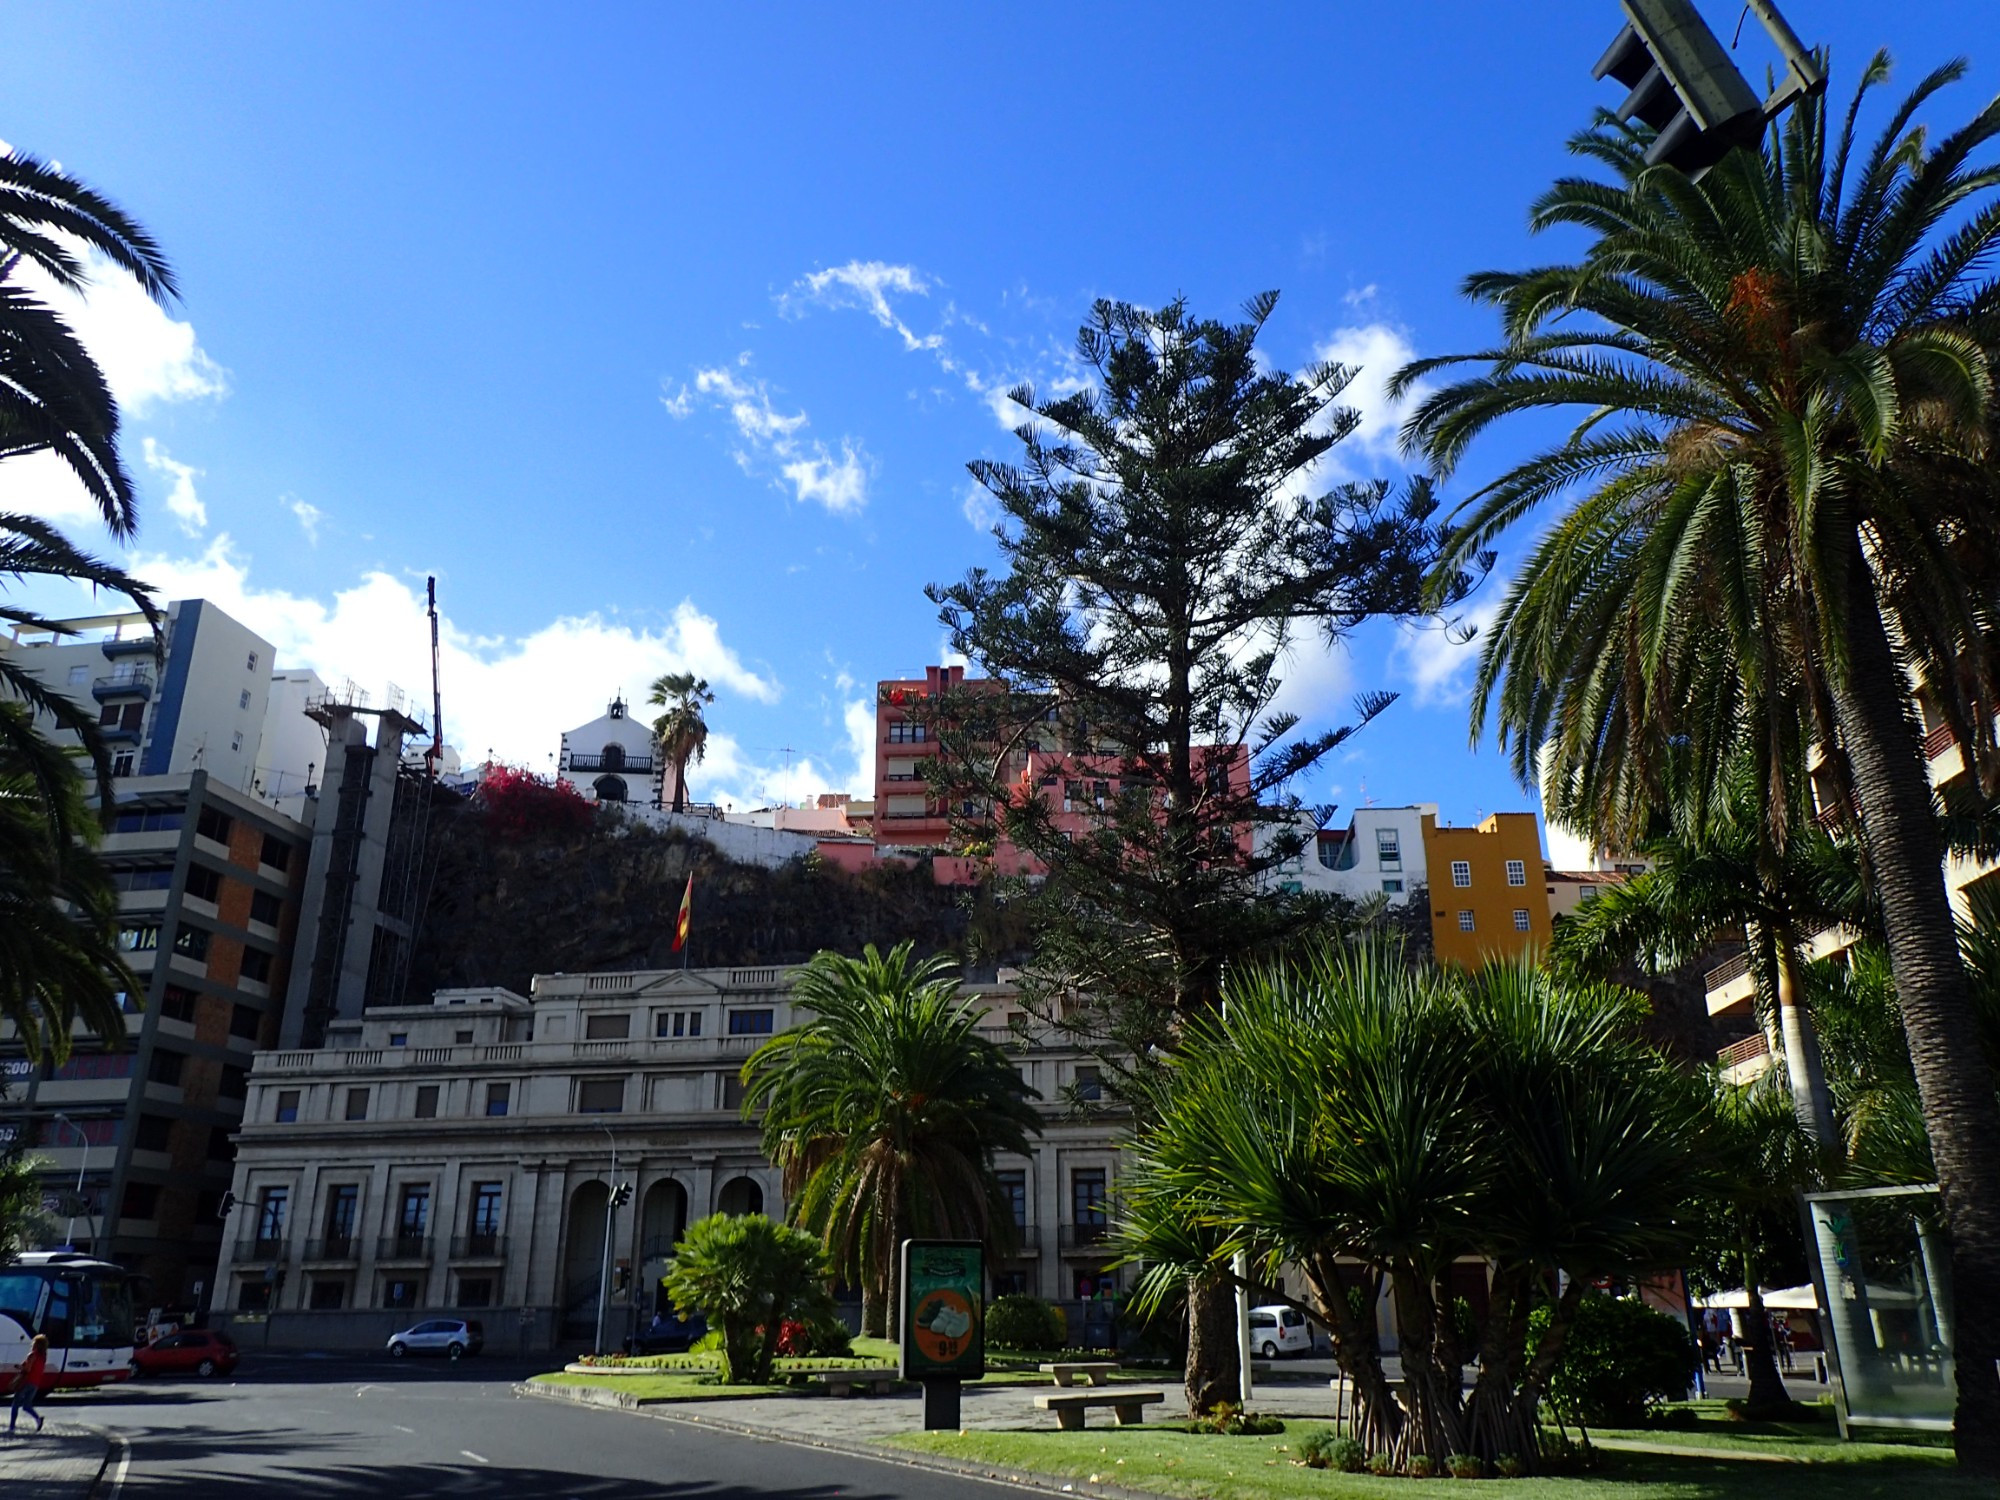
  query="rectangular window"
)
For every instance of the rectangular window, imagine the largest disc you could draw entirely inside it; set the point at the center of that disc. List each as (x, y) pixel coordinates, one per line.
(485, 1220)
(1521, 923)
(399, 1039)
(152, 1132)
(251, 664)
(142, 1200)
(1461, 873)
(122, 763)
(498, 1097)
(343, 1213)
(600, 1096)
(1087, 1203)
(288, 1107)
(427, 1101)
(256, 965)
(399, 1293)
(694, 1023)
(272, 1205)
(732, 1091)
(1517, 872)
(155, 878)
(78, 676)
(276, 852)
(243, 699)
(413, 1216)
(215, 824)
(203, 883)
(1392, 887)
(1014, 1192)
(607, 1028)
(750, 1023)
(328, 1293)
(1389, 848)
(1089, 1084)
(177, 1003)
(166, 1067)
(191, 942)
(905, 733)
(244, 1021)
(475, 1291)
(147, 822)
(357, 1104)
(462, 1035)
(1465, 921)
(265, 907)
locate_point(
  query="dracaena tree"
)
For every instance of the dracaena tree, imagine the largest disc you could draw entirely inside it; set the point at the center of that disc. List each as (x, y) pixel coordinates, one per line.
(1170, 536)
(1777, 504)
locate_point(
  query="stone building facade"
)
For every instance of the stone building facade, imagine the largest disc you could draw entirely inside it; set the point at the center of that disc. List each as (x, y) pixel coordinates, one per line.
(459, 1155)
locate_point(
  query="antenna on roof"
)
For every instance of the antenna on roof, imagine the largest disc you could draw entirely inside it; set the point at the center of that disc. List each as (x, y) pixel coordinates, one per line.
(434, 756)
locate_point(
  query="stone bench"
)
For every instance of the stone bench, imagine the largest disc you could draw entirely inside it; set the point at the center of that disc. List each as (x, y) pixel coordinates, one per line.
(1093, 1372)
(843, 1382)
(1127, 1405)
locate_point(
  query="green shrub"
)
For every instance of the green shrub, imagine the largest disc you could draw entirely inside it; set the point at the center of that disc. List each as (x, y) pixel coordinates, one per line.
(1509, 1466)
(1418, 1466)
(1323, 1448)
(747, 1275)
(1227, 1420)
(1464, 1466)
(1018, 1322)
(1620, 1361)
(1381, 1463)
(828, 1337)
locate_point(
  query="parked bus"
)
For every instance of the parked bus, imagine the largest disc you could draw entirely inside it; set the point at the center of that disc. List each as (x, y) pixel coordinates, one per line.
(84, 1305)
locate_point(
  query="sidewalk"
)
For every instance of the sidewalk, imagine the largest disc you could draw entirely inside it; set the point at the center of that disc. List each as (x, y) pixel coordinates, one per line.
(61, 1462)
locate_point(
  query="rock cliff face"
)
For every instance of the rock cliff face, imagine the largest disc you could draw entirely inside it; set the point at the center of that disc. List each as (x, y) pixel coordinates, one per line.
(503, 907)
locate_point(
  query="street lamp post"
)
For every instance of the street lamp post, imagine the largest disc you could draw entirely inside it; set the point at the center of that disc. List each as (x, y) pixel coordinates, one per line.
(69, 1232)
(616, 1195)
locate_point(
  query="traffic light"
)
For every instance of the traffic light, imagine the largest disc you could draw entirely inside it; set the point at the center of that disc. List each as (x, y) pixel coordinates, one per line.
(222, 1209)
(621, 1195)
(621, 1276)
(1682, 84)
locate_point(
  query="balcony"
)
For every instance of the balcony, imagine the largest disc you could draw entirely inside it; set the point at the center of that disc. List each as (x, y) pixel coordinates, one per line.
(130, 645)
(260, 1250)
(638, 765)
(1938, 741)
(118, 734)
(335, 1247)
(126, 682)
(479, 1247)
(1722, 973)
(411, 1247)
(1085, 1239)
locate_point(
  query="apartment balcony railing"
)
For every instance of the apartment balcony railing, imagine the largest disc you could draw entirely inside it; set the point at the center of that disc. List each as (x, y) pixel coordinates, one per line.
(129, 645)
(260, 1249)
(403, 1247)
(479, 1247)
(126, 682)
(1722, 973)
(640, 765)
(1747, 1050)
(334, 1247)
(1085, 1236)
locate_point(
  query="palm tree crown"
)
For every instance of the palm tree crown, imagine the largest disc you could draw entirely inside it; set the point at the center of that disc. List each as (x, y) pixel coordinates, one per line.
(681, 731)
(885, 1111)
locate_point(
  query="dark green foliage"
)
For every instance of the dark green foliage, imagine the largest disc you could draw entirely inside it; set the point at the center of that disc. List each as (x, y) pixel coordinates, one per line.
(1323, 1448)
(1019, 1322)
(747, 1275)
(1621, 1362)
(1226, 1419)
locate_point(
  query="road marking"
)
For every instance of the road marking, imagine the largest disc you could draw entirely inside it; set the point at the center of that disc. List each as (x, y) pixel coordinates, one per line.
(401, 1428)
(118, 1469)
(364, 1390)
(473, 1456)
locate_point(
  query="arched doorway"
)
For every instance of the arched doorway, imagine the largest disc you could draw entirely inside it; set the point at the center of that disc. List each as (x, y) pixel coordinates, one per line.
(662, 1221)
(609, 788)
(740, 1195)
(583, 1258)
(614, 757)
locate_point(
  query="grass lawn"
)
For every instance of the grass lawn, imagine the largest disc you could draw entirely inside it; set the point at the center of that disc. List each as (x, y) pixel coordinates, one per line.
(1002, 1368)
(1812, 1439)
(1169, 1462)
(670, 1386)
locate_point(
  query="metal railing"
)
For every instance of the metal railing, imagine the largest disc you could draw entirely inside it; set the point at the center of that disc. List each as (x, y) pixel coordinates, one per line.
(1747, 1050)
(127, 682)
(1938, 741)
(261, 1249)
(1722, 973)
(1084, 1236)
(479, 1247)
(640, 765)
(334, 1247)
(403, 1247)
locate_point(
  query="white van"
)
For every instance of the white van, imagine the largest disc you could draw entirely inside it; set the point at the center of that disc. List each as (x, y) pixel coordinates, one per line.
(1276, 1331)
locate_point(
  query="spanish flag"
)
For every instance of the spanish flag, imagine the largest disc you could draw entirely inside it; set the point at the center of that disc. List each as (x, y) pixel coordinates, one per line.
(687, 915)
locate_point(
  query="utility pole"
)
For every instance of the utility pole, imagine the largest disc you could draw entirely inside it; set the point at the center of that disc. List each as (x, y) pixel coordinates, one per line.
(617, 1196)
(69, 1232)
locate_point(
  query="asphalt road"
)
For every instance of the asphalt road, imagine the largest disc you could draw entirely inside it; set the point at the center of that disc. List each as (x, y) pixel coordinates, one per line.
(324, 1429)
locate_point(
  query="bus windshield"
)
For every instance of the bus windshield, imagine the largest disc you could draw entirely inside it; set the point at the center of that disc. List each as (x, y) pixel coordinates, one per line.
(100, 1313)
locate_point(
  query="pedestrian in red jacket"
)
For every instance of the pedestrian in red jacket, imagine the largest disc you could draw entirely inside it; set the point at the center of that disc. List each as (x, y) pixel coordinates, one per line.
(27, 1385)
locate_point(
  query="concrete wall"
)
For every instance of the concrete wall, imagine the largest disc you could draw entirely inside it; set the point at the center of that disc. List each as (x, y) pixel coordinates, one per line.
(768, 847)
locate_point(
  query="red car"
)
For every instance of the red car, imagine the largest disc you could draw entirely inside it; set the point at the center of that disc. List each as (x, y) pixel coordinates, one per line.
(197, 1351)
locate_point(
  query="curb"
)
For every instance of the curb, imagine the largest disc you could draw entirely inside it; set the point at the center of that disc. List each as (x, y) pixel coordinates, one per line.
(1026, 1479)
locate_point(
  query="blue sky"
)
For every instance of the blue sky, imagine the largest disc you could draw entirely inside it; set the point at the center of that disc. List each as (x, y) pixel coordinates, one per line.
(662, 335)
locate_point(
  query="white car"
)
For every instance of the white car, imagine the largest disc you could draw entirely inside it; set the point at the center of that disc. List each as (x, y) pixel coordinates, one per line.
(1275, 1331)
(450, 1337)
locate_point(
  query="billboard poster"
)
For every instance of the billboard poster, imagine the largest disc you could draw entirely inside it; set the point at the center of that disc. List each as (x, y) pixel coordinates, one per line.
(943, 1322)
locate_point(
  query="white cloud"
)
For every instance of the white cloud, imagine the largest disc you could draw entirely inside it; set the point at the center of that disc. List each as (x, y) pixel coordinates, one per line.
(41, 484)
(866, 285)
(1376, 351)
(859, 718)
(814, 473)
(1437, 660)
(146, 355)
(982, 511)
(309, 516)
(183, 504)
(514, 694)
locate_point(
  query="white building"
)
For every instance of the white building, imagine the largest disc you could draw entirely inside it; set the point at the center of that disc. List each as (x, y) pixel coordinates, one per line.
(613, 759)
(457, 1155)
(1379, 853)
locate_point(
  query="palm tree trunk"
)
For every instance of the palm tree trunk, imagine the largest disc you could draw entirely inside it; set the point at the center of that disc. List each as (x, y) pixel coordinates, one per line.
(1213, 1372)
(1767, 1386)
(1804, 1069)
(1961, 1114)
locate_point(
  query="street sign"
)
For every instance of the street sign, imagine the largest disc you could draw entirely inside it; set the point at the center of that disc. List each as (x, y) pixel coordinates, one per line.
(943, 1322)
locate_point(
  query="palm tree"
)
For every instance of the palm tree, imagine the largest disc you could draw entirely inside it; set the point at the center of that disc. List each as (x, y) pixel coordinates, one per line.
(1721, 879)
(1372, 1123)
(59, 956)
(681, 731)
(1782, 377)
(885, 1111)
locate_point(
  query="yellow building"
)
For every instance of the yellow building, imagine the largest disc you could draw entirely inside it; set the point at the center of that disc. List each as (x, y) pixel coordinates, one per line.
(1488, 895)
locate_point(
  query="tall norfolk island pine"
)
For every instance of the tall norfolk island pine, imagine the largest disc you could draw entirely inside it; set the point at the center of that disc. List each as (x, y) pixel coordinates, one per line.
(1167, 540)
(1782, 499)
